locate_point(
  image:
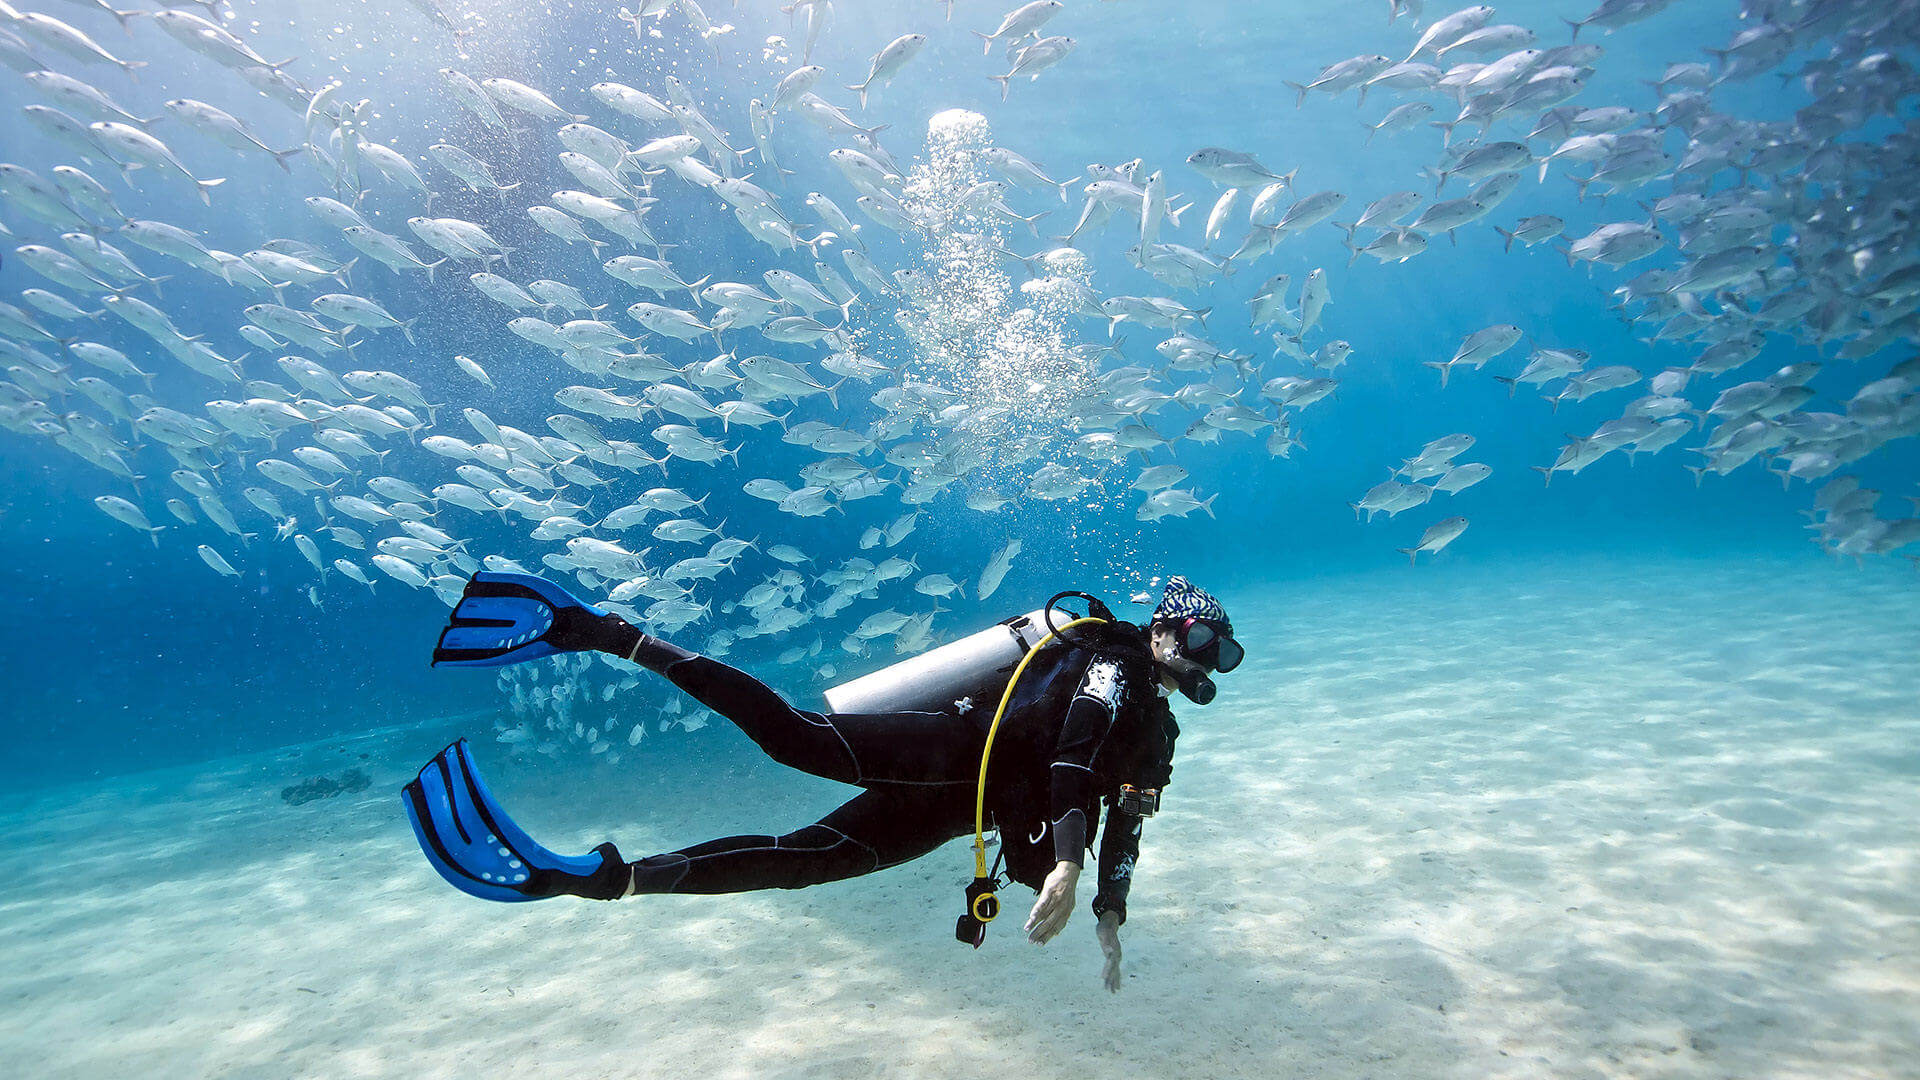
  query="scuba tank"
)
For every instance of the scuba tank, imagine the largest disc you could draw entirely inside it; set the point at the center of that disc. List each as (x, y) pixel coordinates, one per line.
(959, 676)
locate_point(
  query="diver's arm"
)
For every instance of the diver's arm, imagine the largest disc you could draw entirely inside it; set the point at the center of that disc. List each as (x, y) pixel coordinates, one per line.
(1119, 848)
(1090, 716)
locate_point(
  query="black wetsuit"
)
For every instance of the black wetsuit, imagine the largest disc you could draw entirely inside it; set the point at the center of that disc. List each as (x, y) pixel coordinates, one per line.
(1080, 725)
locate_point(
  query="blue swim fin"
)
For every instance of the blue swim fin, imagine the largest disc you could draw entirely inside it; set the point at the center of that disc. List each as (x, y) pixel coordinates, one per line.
(469, 838)
(512, 618)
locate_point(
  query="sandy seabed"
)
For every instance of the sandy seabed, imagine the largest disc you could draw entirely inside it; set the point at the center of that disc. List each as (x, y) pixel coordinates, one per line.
(1585, 820)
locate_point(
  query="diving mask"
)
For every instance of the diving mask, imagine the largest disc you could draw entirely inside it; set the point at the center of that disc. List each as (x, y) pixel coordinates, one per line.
(1209, 643)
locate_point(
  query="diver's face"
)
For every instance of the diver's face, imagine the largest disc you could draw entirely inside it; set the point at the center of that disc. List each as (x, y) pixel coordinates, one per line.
(1177, 670)
(1165, 648)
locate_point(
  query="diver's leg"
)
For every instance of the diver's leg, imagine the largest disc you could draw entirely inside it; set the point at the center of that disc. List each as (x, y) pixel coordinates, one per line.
(868, 749)
(872, 831)
(801, 740)
(853, 748)
(796, 738)
(916, 749)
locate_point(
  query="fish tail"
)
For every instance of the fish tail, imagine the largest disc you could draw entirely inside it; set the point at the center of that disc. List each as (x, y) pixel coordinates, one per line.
(1409, 553)
(1299, 93)
(206, 188)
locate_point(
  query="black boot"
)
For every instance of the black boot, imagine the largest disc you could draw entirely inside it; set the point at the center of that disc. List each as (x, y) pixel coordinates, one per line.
(615, 635)
(610, 882)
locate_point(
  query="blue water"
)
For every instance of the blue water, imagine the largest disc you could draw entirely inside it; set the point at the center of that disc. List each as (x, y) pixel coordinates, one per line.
(189, 664)
(125, 657)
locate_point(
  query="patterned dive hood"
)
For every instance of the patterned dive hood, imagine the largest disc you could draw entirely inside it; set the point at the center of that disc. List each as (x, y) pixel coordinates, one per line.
(1185, 600)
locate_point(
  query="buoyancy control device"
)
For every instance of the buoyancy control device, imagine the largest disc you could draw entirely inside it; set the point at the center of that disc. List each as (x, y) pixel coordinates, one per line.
(977, 670)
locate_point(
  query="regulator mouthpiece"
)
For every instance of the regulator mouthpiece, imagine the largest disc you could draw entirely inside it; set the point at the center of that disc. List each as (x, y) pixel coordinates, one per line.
(1193, 681)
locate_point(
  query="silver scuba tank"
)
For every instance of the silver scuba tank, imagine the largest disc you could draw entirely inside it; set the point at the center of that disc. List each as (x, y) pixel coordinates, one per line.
(958, 677)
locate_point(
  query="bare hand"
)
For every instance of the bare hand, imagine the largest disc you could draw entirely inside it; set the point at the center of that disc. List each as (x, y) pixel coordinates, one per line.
(1108, 931)
(1055, 906)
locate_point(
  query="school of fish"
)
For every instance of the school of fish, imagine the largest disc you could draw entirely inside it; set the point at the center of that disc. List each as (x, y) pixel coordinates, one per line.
(911, 327)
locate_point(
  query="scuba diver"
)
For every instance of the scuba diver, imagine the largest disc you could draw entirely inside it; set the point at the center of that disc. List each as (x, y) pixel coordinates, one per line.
(1084, 721)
